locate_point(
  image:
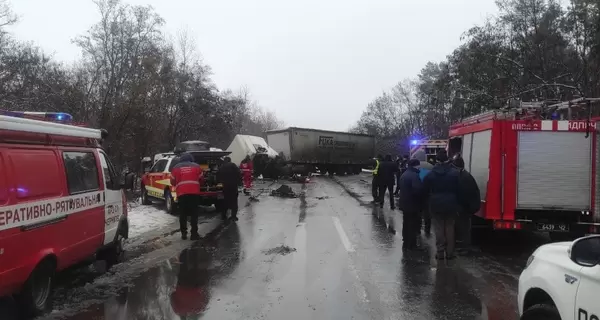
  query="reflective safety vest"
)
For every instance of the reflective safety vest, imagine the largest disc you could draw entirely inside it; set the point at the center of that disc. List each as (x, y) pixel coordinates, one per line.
(376, 167)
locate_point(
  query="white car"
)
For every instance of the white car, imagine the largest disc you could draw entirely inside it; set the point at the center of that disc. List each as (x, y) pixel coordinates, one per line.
(561, 280)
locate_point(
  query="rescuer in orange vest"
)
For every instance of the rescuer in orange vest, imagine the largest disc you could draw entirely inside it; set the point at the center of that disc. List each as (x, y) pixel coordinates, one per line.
(247, 168)
(187, 177)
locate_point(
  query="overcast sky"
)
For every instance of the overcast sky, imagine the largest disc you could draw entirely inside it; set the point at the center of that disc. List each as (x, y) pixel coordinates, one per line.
(316, 63)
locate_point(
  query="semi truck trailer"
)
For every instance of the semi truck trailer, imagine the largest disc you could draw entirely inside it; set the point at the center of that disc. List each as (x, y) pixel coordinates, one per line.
(310, 150)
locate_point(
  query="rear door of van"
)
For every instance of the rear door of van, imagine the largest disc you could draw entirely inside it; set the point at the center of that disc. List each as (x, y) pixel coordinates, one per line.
(84, 204)
(113, 199)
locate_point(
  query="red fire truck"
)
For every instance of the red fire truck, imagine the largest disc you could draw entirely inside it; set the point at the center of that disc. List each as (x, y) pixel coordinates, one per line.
(156, 182)
(533, 174)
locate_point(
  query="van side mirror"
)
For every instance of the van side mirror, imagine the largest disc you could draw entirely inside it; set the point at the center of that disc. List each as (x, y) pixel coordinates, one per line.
(586, 251)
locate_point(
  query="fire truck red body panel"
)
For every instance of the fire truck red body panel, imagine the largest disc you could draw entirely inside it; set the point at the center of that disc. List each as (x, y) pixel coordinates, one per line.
(501, 187)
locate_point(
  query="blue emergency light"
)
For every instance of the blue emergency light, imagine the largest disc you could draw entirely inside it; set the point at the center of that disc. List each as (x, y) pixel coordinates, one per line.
(414, 142)
(50, 116)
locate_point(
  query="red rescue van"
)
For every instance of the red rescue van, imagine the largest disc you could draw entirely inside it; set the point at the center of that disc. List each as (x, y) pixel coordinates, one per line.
(61, 203)
(533, 174)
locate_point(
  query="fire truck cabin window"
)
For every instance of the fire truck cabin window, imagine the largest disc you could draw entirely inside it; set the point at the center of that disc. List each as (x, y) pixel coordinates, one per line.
(454, 146)
(160, 166)
(82, 171)
(45, 167)
(174, 161)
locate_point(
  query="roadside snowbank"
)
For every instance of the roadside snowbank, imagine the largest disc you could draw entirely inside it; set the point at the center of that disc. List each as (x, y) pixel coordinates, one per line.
(147, 218)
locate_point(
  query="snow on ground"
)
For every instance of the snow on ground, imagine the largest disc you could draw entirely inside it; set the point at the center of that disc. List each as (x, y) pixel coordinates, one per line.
(143, 218)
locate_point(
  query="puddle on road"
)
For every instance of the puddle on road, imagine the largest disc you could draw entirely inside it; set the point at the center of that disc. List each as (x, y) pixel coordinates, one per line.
(282, 250)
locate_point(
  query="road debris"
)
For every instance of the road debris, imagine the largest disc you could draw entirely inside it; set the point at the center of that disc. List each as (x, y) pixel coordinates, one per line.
(282, 250)
(284, 191)
(323, 197)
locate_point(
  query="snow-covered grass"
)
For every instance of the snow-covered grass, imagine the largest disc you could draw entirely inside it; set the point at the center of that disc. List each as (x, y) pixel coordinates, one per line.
(143, 218)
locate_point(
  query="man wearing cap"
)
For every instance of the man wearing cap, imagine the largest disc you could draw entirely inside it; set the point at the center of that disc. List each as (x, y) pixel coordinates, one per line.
(230, 176)
(187, 177)
(424, 168)
(410, 202)
(442, 189)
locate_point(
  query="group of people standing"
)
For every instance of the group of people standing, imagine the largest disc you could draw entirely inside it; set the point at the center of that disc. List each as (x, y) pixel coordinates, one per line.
(441, 194)
(187, 177)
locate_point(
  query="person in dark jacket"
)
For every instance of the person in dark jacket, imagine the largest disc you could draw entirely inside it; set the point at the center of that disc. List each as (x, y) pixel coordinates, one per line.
(230, 176)
(470, 202)
(411, 203)
(424, 168)
(187, 177)
(441, 188)
(387, 176)
(402, 164)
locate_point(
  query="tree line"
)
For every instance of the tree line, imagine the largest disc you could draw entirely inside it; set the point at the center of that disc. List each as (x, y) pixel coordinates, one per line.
(532, 50)
(148, 90)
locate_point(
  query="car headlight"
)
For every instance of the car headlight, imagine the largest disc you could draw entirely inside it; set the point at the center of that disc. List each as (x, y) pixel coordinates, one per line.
(529, 261)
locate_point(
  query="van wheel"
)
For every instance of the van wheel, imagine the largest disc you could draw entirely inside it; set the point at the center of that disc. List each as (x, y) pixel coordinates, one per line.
(541, 312)
(34, 298)
(170, 203)
(116, 252)
(145, 200)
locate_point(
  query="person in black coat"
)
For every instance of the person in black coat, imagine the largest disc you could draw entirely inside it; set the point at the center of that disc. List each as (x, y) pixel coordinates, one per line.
(230, 176)
(411, 203)
(402, 164)
(441, 187)
(387, 176)
(470, 202)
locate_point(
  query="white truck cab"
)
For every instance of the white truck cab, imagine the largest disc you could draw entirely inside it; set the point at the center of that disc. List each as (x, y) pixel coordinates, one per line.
(561, 280)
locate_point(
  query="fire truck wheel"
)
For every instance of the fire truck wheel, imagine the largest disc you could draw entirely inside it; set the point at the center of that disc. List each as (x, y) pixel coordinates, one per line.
(170, 203)
(34, 299)
(145, 200)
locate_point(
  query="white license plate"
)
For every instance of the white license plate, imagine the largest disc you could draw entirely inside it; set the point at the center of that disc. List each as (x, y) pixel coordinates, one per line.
(560, 227)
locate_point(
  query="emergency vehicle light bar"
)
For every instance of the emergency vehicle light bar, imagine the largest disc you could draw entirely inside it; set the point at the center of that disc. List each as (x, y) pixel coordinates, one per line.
(33, 122)
(51, 116)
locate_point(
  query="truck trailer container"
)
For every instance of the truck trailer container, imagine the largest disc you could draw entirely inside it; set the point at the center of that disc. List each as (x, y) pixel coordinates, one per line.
(308, 150)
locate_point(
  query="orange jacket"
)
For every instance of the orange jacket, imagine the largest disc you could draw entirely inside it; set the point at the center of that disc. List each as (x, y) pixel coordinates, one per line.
(187, 176)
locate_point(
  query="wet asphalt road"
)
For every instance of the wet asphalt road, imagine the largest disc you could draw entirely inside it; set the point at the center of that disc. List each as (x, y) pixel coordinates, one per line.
(327, 254)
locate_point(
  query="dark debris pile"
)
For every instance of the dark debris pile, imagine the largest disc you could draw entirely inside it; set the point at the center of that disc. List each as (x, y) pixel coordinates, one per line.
(282, 250)
(284, 191)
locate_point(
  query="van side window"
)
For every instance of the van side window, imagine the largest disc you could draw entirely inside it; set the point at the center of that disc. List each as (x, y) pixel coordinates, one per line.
(82, 171)
(110, 174)
(3, 182)
(34, 172)
(159, 166)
